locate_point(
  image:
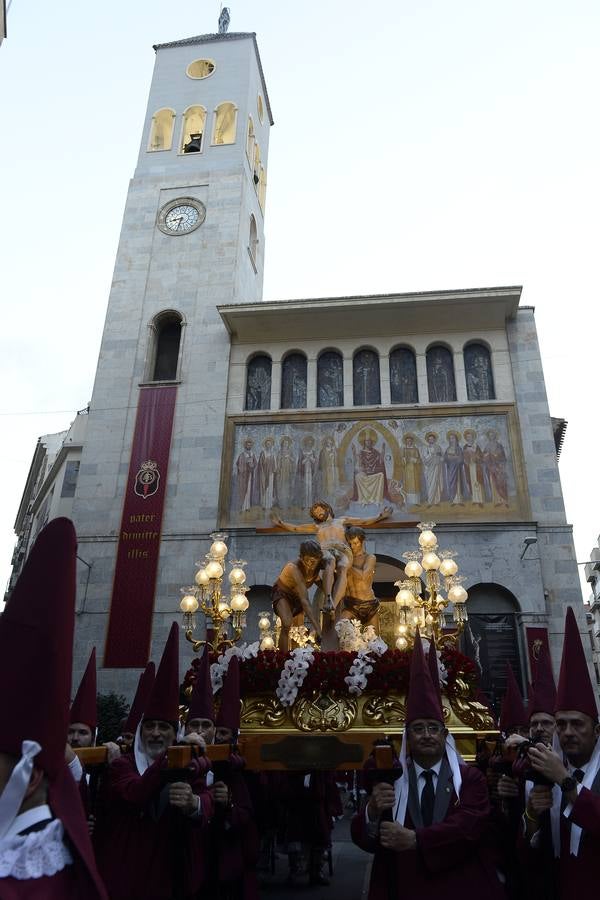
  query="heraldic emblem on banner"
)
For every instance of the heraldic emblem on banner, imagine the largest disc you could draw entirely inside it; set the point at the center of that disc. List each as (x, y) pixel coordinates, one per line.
(147, 479)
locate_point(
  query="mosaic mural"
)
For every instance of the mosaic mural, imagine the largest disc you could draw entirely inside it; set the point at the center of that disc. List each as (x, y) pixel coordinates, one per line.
(448, 468)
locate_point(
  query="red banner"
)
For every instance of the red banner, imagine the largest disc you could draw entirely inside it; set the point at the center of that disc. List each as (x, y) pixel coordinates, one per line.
(132, 604)
(537, 642)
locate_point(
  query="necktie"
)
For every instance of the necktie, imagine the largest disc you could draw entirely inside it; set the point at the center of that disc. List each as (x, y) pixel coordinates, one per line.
(427, 797)
(578, 775)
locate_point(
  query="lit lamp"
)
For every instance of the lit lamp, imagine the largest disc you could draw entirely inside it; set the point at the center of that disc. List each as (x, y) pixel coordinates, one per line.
(422, 605)
(266, 637)
(225, 616)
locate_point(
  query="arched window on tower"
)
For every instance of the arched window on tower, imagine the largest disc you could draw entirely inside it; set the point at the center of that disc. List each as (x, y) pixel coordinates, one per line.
(440, 375)
(478, 372)
(225, 124)
(330, 379)
(258, 382)
(161, 131)
(365, 377)
(262, 188)
(192, 133)
(403, 376)
(293, 381)
(256, 167)
(250, 141)
(164, 358)
(253, 240)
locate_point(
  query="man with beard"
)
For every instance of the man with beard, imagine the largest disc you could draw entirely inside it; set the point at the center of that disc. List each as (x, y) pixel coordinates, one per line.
(153, 845)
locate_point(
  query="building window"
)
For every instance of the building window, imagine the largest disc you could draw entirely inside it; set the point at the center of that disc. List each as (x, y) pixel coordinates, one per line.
(366, 385)
(253, 240)
(200, 68)
(161, 132)
(330, 379)
(225, 124)
(260, 109)
(478, 372)
(293, 382)
(167, 340)
(70, 479)
(192, 133)
(258, 383)
(403, 376)
(440, 375)
(262, 188)
(250, 141)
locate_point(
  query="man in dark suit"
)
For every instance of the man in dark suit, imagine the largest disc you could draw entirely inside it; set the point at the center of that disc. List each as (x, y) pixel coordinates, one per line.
(428, 830)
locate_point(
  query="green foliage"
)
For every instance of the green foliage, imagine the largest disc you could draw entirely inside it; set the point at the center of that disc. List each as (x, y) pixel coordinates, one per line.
(112, 709)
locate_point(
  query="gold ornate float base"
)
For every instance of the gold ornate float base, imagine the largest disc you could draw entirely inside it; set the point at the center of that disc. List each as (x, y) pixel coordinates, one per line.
(332, 731)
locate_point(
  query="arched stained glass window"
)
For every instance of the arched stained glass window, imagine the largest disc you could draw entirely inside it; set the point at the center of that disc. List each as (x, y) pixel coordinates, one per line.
(293, 382)
(365, 377)
(478, 372)
(440, 375)
(403, 376)
(330, 379)
(258, 383)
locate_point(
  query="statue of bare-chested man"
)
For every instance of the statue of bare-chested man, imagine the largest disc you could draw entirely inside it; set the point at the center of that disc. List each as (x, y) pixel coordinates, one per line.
(360, 601)
(290, 592)
(330, 532)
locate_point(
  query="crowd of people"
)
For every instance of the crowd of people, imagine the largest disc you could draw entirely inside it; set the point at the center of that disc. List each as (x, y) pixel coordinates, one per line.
(169, 810)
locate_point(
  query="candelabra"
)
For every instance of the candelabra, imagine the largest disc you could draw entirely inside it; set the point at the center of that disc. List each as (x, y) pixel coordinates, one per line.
(225, 615)
(423, 606)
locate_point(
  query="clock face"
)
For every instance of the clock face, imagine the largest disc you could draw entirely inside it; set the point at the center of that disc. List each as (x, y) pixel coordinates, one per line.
(181, 216)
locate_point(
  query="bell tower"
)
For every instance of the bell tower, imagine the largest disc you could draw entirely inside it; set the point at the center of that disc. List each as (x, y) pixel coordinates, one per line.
(192, 238)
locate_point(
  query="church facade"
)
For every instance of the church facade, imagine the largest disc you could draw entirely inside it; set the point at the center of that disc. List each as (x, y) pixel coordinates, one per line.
(213, 410)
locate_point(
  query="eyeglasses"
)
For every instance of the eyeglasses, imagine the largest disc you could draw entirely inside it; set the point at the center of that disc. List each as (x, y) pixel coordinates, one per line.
(432, 728)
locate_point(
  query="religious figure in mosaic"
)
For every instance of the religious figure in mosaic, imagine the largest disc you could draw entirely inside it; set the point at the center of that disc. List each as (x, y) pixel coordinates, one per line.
(330, 380)
(258, 388)
(454, 466)
(247, 484)
(286, 472)
(267, 467)
(433, 460)
(307, 470)
(474, 469)
(403, 376)
(328, 469)
(370, 478)
(494, 458)
(478, 373)
(367, 390)
(412, 470)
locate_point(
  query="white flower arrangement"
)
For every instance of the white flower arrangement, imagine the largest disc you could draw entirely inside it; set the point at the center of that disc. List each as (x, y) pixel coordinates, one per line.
(293, 674)
(218, 670)
(365, 641)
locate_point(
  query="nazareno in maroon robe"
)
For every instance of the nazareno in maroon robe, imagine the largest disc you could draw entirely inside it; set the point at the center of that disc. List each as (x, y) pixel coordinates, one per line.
(135, 851)
(451, 859)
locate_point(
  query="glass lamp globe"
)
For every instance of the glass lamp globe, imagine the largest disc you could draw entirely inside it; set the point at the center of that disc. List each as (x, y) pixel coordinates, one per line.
(401, 643)
(224, 609)
(237, 576)
(218, 549)
(188, 604)
(237, 602)
(457, 594)
(245, 604)
(427, 540)
(264, 622)
(448, 568)
(214, 569)
(404, 597)
(267, 643)
(413, 569)
(431, 561)
(201, 578)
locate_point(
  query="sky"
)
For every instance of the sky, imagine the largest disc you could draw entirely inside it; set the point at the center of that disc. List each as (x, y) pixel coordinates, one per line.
(418, 145)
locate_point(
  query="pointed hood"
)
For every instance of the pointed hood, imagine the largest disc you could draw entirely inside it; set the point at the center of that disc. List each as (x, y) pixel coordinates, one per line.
(542, 698)
(512, 711)
(140, 700)
(36, 636)
(201, 700)
(434, 670)
(424, 700)
(575, 690)
(229, 711)
(83, 708)
(36, 649)
(163, 702)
